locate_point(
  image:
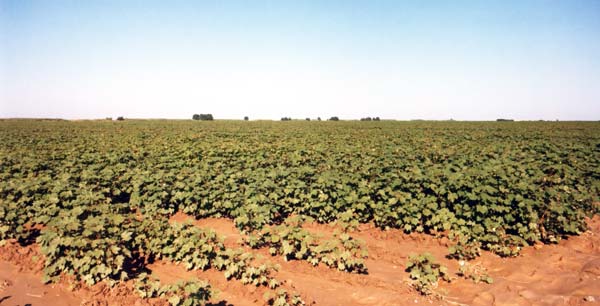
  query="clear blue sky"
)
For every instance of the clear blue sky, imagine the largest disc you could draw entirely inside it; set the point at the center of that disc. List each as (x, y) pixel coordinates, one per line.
(469, 60)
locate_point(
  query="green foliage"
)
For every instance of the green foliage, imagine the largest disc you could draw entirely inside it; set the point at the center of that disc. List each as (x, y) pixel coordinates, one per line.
(283, 298)
(464, 248)
(101, 242)
(14, 221)
(194, 247)
(183, 293)
(200, 249)
(291, 241)
(425, 272)
(347, 221)
(92, 243)
(237, 264)
(101, 192)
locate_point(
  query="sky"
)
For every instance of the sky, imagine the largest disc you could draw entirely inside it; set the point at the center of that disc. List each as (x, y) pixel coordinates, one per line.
(465, 60)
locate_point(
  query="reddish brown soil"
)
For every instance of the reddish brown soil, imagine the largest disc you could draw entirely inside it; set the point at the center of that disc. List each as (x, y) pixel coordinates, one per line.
(19, 288)
(567, 273)
(21, 284)
(230, 292)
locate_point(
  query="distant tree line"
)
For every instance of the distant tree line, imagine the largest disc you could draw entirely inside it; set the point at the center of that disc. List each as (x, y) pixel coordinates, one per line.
(370, 119)
(209, 117)
(504, 120)
(334, 118)
(203, 117)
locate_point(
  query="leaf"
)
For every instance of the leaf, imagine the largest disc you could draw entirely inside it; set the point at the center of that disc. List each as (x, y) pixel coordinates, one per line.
(126, 236)
(175, 300)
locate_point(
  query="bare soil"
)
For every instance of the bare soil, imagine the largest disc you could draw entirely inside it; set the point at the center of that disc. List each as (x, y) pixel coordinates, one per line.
(567, 273)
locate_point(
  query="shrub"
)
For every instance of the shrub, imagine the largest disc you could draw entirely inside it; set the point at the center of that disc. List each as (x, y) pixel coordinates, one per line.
(283, 298)
(464, 248)
(203, 117)
(425, 272)
(191, 292)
